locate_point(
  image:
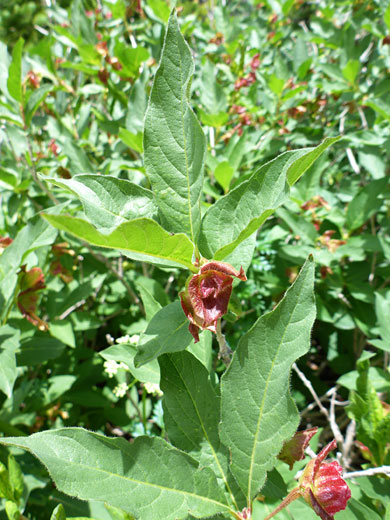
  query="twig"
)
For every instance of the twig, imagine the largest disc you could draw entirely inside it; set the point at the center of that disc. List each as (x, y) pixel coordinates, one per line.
(382, 470)
(332, 419)
(348, 442)
(363, 118)
(352, 161)
(135, 404)
(117, 275)
(309, 386)
(71, 309)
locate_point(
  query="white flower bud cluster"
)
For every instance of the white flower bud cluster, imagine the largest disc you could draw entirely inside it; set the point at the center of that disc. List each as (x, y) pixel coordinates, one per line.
(121, 389)
(130, 340)
(111, 367)
(153, 388)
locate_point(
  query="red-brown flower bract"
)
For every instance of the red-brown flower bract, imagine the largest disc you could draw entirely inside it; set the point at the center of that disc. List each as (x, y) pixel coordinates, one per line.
(207, 295)
(322, 485)
(294, 449)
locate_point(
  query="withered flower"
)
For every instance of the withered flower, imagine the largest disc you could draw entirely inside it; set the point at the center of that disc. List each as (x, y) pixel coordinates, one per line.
(294, 449)
(207, 294)
(322, 485)
(30, 282)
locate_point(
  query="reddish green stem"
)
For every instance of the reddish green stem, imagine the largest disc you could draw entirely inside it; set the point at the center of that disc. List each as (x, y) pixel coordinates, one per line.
(293, 495)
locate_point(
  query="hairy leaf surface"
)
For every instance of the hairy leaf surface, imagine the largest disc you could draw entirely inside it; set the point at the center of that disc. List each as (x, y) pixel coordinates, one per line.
(109, 201)
(141, 239)
(166, 332)
(237, 215)
(148, 478)
(174, 143)
(258, 413)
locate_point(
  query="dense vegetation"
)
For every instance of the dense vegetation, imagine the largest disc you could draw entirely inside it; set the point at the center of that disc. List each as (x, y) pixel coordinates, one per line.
(269, 77)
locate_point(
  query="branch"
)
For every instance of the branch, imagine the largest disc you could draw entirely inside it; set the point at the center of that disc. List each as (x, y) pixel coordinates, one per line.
(382, 470)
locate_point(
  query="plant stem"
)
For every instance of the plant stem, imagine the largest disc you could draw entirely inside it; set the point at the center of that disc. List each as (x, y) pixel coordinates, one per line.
(293, 495)
(225, 352)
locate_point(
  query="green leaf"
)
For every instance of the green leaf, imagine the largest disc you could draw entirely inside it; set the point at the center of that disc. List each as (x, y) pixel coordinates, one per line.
(237, 215)
(276, 84)
(5, 487)
(174, 143)
(351, 70)
(203, 349)
(118, 514)
(160, 9)
(14, 83)
(223, 174)
(78, 159)
(365, 203)
(148, 373)
(373, 426)
(12, 510)
(130, 59)
(140, 239)
(191, 415)
(148, 478)
(152, 295)
(39, 349)
(375, 487)
(132, 140)
(382, 309)
(34, 101)
(15, 477)
(58, 513)
(166, 332)
(386, 16)
(109, 201)
(9, 343)
(258, 413)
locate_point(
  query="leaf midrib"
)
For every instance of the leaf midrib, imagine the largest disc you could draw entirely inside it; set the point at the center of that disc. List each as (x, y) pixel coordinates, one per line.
(136, 251)
(214, 454)
(133, 480)
(185, 150)
(263, 400)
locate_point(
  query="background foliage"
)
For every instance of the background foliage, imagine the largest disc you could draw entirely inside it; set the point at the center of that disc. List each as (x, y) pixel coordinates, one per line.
(269, 77)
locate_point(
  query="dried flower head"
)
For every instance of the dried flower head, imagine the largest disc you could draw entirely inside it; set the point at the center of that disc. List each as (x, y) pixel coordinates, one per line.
(322, 485)
(207, 295)
(294, 449)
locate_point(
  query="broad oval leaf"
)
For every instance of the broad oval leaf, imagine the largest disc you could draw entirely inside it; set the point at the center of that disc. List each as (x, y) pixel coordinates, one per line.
(174, 143)
(14, 82)
(109, 201)
(148, 373)
(237, 215)
(148, 478)
(258, 413)
(191, 416)
(140, 239)
(166, 332)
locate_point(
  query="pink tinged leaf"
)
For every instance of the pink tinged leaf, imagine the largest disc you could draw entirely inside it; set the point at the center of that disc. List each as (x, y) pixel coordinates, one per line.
(294, 449)
(225, 268)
